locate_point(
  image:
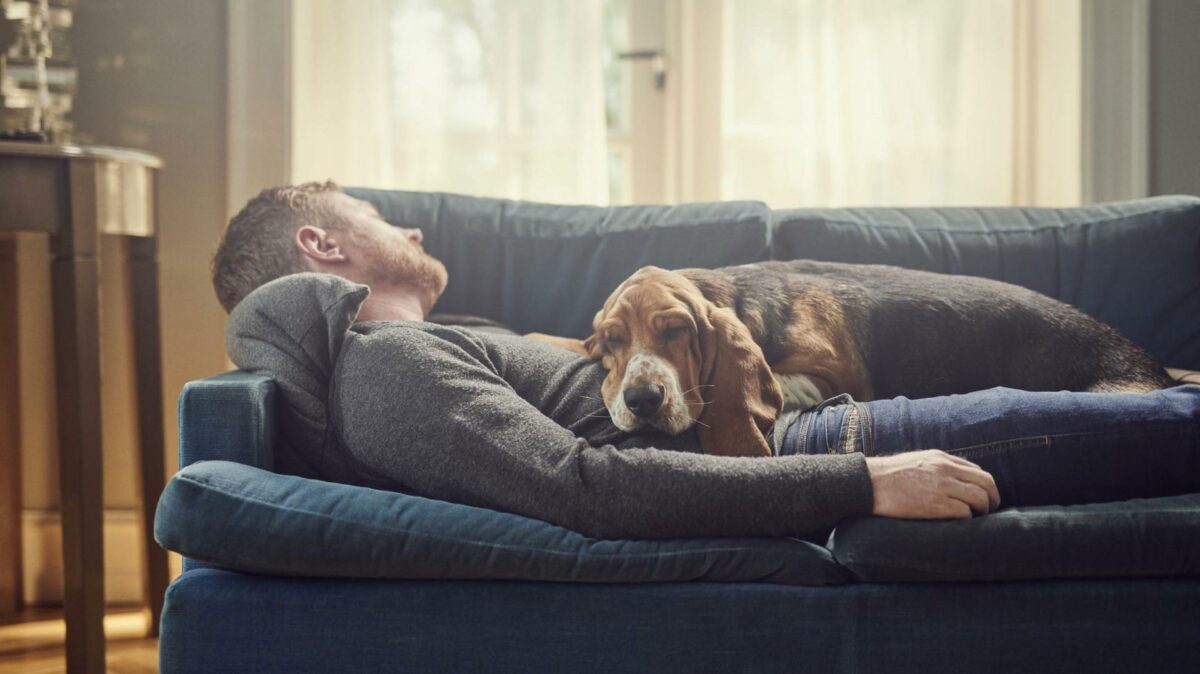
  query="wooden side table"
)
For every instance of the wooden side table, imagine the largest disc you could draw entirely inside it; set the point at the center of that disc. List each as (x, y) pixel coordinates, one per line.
(76, 194)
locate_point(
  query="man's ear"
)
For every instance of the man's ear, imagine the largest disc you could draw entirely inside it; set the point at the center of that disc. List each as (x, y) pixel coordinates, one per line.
(319, 245)
(744, 398)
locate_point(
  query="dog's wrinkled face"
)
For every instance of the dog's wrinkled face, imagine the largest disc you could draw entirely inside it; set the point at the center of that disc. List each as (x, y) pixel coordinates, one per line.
(648, 338)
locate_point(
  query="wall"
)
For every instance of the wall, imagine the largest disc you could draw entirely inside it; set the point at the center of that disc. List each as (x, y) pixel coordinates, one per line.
(1174, 97)
(152, 77)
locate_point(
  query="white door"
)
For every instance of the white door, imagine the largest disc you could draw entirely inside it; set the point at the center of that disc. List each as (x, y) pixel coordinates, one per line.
(662, 91)
(844, 103)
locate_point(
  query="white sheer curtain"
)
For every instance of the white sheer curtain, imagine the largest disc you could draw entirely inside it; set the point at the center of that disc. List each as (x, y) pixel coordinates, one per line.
(488, 97)
(863, 102)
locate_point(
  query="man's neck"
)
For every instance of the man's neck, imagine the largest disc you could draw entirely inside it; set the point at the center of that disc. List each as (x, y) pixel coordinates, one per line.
(392, 305)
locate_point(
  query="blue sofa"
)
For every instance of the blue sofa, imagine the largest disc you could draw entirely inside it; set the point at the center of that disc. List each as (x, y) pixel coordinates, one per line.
(286, 574)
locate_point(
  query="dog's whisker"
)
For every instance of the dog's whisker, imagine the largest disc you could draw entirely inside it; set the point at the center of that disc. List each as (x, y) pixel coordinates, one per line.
(701, 423)
(696, 387)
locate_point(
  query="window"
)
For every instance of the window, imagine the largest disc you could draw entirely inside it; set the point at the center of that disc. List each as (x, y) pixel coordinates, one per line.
(794, 102)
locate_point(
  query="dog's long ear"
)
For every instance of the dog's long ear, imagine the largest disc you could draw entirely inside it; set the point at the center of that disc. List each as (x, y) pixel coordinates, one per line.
(592, 344)
(743, 396)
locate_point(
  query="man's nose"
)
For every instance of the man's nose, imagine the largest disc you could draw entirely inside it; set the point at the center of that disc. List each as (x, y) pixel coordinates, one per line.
(413, 234)
(644, 400)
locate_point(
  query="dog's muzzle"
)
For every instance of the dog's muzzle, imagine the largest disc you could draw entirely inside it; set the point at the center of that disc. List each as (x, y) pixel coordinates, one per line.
(650, 396)
(644, 400)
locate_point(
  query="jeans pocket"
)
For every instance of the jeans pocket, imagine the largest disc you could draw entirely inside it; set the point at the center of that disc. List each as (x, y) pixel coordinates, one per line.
(989, 448)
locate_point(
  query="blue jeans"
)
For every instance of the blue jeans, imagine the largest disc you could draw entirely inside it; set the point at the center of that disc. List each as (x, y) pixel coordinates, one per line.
(1042, 448)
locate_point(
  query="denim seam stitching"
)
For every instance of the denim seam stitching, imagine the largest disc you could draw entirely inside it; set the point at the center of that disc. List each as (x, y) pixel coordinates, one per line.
(852, 426)
(806, 422)
(868, 439)
(831, 447)
(989, 448)
(1179, 425)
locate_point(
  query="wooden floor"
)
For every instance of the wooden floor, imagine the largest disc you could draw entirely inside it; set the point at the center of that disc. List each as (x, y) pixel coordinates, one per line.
(32, 642)
(137, 656)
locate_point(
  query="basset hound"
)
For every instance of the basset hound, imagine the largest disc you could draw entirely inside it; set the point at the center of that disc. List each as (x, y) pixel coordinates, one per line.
(728, 349)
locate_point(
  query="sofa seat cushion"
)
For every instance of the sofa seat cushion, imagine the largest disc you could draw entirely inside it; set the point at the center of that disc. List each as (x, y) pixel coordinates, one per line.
(248, 519)
(1139, 538)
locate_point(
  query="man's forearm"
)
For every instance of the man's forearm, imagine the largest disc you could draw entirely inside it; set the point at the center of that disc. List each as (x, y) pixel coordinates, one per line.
(663, 494)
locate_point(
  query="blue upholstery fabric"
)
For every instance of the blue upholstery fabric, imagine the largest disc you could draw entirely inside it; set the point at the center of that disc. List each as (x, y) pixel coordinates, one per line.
(548, 268)
(1134, 265)
(222, 621)
(228, 417)
(1143, 537)
(251, 520)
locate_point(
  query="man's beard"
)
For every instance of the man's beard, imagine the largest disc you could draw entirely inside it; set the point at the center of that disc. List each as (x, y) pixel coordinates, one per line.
(406, 264)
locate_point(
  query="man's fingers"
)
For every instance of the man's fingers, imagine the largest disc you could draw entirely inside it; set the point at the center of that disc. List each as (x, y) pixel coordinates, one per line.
(953, 508)
(930, 484)
(993, 493)
(958, 459)
(982, 479)
(972, 495)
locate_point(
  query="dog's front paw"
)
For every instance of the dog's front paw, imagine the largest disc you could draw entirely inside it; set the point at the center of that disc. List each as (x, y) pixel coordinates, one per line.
(799, 392)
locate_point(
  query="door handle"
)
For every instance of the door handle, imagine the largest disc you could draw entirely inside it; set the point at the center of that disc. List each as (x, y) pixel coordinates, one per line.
(658, 63)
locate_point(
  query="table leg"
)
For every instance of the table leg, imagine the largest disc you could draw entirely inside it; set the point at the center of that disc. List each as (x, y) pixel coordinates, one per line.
(75, 280)
(10, 436)
(147, 348)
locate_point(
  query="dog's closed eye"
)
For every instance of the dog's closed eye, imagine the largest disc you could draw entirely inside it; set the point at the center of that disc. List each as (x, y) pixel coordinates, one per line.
(674, 332)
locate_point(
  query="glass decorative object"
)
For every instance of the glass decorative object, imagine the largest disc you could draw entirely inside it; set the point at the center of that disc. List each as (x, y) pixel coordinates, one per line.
(37, 70)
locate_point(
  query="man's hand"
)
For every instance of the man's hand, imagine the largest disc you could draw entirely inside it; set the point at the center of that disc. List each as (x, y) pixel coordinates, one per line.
(930, 484)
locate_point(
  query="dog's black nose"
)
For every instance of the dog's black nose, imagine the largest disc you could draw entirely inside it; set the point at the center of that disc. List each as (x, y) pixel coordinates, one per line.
(645, 400)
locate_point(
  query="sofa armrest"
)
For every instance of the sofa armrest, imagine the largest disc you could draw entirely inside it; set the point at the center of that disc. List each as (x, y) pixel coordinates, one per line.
(229, 417)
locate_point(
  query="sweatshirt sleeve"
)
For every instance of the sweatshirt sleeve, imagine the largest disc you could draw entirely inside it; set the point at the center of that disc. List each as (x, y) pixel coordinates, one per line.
(433, 419)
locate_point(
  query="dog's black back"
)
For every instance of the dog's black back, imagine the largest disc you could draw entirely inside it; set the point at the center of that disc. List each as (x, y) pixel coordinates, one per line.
(925, 334)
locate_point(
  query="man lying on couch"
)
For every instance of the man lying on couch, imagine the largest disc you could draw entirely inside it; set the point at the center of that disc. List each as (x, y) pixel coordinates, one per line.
(515, 424)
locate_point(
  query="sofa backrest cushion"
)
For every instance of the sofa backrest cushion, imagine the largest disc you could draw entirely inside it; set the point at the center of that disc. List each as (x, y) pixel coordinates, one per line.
(1134, 265)
(252, 520)
(548, 268)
